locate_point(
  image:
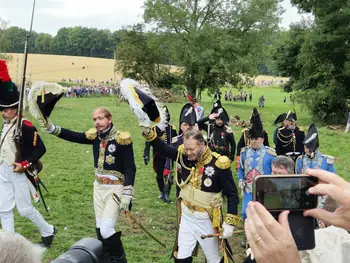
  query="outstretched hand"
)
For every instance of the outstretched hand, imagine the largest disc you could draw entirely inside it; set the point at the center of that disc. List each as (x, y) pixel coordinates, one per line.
(338, 189)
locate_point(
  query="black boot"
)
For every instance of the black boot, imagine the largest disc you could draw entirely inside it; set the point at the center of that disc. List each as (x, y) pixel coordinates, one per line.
(115, 249)
(166, 198)
(184, 260)
(161, 196)
(47, 241)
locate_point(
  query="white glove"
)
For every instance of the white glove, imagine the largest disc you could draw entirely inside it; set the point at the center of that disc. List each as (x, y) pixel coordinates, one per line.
(46, 125)
(145, 130)
(125, 202)
(227, 230)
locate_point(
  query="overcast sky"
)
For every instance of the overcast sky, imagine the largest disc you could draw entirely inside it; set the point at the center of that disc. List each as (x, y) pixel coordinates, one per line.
(51, 15)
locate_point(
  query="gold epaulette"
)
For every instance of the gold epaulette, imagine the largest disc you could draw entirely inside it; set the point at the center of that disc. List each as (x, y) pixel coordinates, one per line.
(150, 136)
(232, 219)
(229, 130)
(271, 151)
(244, 130)
(124, 138)
(173, 127)
(91, 134)
(181, 149)
(330, 159)
(243, 149)
(223, 162)
(301, 128)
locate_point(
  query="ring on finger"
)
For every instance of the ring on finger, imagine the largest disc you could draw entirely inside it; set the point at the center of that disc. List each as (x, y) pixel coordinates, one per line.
(258, 239)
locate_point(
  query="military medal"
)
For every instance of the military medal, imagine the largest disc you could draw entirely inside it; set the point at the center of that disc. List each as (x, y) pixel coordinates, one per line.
(208, 182)
(209, 171)
(110, 159)
(112, 148)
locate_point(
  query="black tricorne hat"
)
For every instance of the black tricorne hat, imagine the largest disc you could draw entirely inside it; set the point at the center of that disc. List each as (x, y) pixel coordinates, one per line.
(9, 94)
(311, 139)
(222, 114)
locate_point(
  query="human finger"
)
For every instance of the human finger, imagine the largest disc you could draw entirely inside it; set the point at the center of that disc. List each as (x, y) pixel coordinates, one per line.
(259, 224)
(283, 220)
(270, 224)
(254, 240)
(333, 191)
(326, 176)
(323, 215)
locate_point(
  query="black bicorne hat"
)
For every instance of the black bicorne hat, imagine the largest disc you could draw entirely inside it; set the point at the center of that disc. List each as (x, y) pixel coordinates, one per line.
(311, 139)
(256, 131)
(217, 104)
(280, 118)
(222, 114)
(188, 114)
(166, 113)
(291, 116)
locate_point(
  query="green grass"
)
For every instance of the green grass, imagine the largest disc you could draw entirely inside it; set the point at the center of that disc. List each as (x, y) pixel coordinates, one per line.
(68, 173)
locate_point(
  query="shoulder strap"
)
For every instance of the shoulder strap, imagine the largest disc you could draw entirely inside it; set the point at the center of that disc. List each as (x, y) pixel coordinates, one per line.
(3, 139)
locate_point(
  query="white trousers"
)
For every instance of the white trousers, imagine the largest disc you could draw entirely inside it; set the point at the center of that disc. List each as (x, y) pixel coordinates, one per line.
(14, 191)
(192, 226)
(106, 209)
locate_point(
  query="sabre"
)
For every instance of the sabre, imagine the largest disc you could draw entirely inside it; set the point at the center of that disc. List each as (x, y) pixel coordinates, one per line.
(135, 221)
(219, 235)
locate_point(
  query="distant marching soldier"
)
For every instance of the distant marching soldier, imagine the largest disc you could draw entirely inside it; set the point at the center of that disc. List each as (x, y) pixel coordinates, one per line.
(256, 159)
(158, 161)
(290, 138)
(220, 137)
(244, 141)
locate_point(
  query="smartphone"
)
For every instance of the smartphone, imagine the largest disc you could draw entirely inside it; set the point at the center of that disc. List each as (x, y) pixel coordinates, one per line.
(285, 192)
(289, 192)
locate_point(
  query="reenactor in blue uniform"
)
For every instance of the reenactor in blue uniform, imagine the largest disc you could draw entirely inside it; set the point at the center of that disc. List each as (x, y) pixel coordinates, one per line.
(158, 161)
(244, 141)
(256, 159)
(290, 138)
(114, 173)
(220, 137)
(204, 179)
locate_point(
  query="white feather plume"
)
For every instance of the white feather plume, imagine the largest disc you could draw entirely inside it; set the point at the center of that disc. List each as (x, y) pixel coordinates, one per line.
(136, 108)
(36, 90)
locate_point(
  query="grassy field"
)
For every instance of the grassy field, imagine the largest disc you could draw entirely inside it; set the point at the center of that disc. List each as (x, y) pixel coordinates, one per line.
(68, 174)
(54, 68)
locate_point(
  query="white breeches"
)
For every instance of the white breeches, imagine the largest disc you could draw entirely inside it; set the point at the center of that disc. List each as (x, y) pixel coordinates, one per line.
(106, 209)
(192, 226)
(14, 191)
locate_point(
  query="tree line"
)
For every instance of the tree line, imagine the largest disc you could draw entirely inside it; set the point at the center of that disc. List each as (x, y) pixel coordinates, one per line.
(71, 41)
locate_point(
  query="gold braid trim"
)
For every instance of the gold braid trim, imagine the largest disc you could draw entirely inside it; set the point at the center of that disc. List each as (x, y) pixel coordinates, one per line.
(232, 219)
(124, 138)
(91, 134)
(271, 151)
(151, 136)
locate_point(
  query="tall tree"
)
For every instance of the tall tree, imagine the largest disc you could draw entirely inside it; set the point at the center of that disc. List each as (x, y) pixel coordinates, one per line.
(319, 56)
(4, 43)
(216, 41)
